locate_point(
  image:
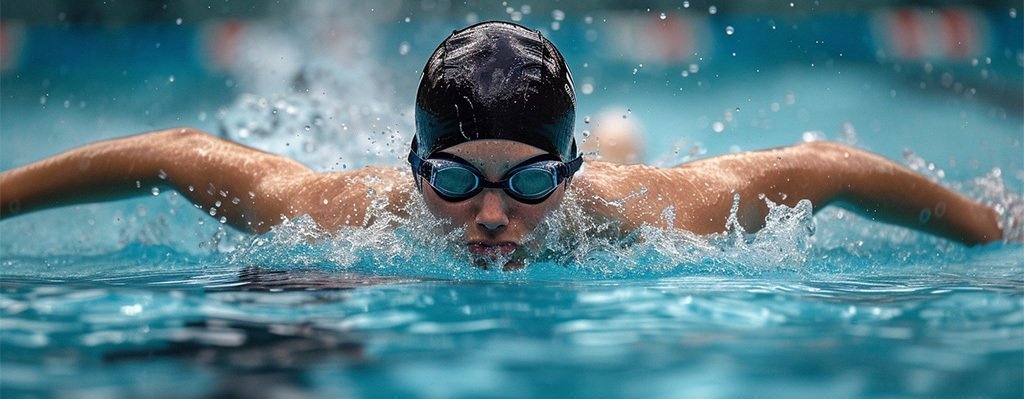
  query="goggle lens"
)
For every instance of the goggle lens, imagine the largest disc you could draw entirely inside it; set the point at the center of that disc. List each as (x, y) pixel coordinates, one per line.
(454, 181)
(533, 183)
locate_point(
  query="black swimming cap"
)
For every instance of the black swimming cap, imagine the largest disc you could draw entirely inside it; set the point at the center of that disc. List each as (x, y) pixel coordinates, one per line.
(496, 80)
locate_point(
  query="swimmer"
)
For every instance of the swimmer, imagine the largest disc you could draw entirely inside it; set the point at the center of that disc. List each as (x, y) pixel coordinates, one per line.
(494, 153)
(616, 138)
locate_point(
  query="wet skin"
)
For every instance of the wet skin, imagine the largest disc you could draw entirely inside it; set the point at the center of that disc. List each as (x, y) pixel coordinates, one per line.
(255, 190)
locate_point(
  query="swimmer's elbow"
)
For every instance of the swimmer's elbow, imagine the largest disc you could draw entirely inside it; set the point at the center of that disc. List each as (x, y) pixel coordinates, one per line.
(184, 135)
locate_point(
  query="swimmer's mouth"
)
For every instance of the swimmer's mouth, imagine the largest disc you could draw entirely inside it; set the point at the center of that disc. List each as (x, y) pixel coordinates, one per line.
(492, 248)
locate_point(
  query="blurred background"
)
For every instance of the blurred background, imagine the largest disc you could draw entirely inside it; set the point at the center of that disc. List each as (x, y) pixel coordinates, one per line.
(937, 84)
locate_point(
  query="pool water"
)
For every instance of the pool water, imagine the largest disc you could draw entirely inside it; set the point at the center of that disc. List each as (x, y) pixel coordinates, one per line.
(150, 297)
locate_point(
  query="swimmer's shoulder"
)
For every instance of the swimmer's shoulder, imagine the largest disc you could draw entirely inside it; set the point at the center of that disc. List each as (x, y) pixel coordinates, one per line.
(634, 194)
(336, 199)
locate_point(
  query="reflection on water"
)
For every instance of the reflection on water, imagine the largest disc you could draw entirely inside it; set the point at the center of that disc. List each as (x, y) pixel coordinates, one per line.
(944, 330)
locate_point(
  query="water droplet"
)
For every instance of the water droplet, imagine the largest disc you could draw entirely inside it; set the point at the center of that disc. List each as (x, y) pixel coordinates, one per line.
(729, 30)
(407, 19)
(718, 127)
(326, 201)
(924, 216)
(694, 68)
(213, 211)
(403, 48)
(662, 16)
(635, 71)
(586, 119)
(588, 20)
(587, 88)
(558, 15)
(586, 133)
(191, 189)
(217, 204)
(1013, 13)
(712, 10)
(178, 21)
(223, 219)
(235, 200)
(686, 4)
(161, 174)
(155, 191)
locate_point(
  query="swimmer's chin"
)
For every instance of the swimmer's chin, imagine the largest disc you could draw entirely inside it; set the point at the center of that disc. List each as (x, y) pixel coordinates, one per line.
(505, 254)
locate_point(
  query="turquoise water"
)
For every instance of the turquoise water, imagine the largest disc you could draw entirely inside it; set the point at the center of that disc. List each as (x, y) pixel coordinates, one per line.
(151, 298)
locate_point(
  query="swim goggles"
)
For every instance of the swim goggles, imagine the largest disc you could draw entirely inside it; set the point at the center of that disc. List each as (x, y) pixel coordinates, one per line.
(530, 182)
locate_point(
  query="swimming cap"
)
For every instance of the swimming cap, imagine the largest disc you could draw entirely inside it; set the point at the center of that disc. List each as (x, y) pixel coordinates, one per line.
(496, 80)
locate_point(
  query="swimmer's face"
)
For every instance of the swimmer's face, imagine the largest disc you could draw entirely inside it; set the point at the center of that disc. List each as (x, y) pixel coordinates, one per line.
(496, 224)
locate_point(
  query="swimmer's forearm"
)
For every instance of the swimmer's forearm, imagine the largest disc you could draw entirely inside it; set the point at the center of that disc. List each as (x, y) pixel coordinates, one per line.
(885, 191)
(212, 173)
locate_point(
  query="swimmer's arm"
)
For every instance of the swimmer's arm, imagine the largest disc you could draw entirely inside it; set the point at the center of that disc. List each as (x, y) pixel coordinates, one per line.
(251, 189)
(827, 173)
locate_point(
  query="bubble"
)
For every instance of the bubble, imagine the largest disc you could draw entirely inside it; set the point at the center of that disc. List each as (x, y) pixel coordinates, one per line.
(712, 10)
(717, 127)
(729, 30)
(586, 133)
(587, 88)
(217, 204)
(161, 174)
(694, 68)
(155, 191)
(223, 219)
(1013, 13)
(924, 216)
(588, 20)
(403, 48)
(407, 19)
(170, 79)
(558, 15)
(812, 136)
(686, 4)
(178, 21)
(662, 16)
(556, 25)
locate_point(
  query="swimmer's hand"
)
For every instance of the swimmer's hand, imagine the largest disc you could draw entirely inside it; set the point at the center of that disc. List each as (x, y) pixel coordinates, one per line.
(250, 189)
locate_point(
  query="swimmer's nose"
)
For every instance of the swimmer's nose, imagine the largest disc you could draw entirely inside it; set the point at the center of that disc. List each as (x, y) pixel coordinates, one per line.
(492, 215)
